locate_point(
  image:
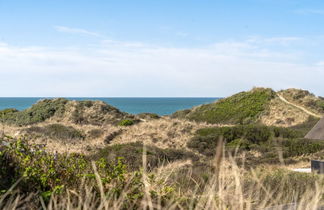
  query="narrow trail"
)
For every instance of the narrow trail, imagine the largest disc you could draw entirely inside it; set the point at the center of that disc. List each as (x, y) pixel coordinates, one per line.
(299, 107)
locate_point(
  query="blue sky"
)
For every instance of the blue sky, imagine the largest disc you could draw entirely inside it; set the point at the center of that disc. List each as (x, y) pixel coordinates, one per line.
(159, 48)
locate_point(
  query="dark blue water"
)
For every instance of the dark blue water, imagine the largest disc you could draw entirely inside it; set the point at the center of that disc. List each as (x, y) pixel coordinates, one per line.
(161, 106)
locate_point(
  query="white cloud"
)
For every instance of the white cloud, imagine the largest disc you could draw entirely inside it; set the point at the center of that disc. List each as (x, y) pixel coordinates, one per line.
(117, 68)
(310, 11)
(76, 31)
(284, 40)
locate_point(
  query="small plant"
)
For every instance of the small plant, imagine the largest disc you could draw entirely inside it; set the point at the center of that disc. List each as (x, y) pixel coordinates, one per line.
(95, 133)
(57, 131)
(126, 122)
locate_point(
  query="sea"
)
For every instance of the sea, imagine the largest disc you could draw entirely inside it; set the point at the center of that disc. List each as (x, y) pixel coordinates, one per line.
(160, 106)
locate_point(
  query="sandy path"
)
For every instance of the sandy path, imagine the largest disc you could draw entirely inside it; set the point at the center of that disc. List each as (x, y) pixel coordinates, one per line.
(299, 107)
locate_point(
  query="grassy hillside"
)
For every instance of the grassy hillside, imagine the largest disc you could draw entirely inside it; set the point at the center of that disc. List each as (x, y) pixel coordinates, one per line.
(39, 112)
(89, 155)
(285, 108)
(304, 98)
(76, 112)
(241, 108)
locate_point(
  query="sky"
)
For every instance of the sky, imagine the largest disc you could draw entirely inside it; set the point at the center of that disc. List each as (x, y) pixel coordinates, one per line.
(155, 48)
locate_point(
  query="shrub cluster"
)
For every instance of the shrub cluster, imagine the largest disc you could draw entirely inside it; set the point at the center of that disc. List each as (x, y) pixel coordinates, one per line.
(51, 173)
(241, 108)
(39, 112)
(57, 131)
(126, 122)
(133, 154)
(256, 137)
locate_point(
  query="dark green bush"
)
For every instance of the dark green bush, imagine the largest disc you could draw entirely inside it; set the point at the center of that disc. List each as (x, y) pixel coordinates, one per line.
(52, 173)
(241, 108)
(245, 136)
(133, 154)
(295, 147)
(57, 131)
(39, 112)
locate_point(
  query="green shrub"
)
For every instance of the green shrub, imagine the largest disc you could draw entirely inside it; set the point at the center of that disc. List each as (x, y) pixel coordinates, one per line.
(39, 112)
(304, 128)
(296, 147)
(52, 173)
(133, 155)
(126, 122)
(258, 137)
(57, 131)
(241, 108)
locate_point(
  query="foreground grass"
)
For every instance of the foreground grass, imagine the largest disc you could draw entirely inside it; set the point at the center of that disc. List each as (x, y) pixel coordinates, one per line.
(75, 182)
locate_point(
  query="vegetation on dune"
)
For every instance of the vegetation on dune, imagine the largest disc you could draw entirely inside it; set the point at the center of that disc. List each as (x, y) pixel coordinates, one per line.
(133, 152)
(304, 98)
(44, 175)
(148, 116)
(241, 108)
(95, 133)
(268, 140)
(57, 131)
(39, 112)
(49, 175)
(74, 181)
(126, 122)
(305, 127)
(247, 171)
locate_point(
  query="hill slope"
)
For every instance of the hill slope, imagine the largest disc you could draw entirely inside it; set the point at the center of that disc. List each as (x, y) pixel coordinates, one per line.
(76, 112)
(260, 105)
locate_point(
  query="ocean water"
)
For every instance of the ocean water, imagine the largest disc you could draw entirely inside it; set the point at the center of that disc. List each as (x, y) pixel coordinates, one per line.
(161, 106)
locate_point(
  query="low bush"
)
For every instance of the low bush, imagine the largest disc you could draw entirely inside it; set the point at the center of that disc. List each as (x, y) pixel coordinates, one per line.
(39, 112)
(57, 131)
(258, 137)
(133, 154)
(95, 133)
(126, 122)
(49, 174)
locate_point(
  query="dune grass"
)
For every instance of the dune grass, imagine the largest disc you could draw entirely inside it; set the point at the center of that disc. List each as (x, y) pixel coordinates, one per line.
(241, 108)
(225, 185)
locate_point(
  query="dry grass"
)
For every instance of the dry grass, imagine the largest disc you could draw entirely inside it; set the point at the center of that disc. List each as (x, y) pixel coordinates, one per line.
(163, 133)
(283, 115)
(229, 187)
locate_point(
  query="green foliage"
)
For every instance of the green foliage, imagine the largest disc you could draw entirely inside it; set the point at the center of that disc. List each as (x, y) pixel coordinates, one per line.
(296, 147)
(244, 136)
(284, 181)
(126, 122)
(52, 173)
(305, 127)
(133, 154)
(241, 108)
(57, 131)
(39, 112)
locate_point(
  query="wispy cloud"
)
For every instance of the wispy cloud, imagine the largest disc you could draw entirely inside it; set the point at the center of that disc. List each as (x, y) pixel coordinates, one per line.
(283, 40)
(65, 29)
(117, 68)
(310, 11)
